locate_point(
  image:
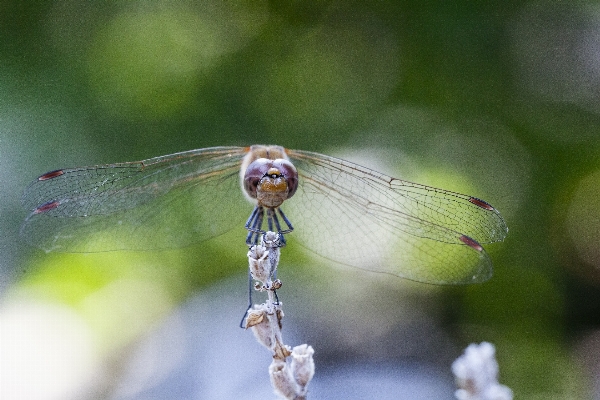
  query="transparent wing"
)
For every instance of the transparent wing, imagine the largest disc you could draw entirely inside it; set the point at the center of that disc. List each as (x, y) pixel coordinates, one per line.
(359, 217)
(164, 202)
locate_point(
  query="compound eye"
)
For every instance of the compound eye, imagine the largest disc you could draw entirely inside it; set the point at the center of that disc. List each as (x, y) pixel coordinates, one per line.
(290, 174)
(250, 185)
(254, 173)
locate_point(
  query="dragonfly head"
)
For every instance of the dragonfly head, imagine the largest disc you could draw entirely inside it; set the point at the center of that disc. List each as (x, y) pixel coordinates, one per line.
(270, 182)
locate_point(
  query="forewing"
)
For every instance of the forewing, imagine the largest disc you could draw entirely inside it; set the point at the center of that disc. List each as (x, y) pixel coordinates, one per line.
(359, 217)
(164, 202)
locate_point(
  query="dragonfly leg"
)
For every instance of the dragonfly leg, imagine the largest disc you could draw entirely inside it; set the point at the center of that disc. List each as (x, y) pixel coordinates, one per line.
(272, 216)
(253, 226)
(286, 220)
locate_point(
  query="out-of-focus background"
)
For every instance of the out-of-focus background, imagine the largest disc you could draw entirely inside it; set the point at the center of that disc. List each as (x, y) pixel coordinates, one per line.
(500, 100)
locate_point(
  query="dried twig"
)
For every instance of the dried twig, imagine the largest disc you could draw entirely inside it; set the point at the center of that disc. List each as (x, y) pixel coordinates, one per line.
(289, 379)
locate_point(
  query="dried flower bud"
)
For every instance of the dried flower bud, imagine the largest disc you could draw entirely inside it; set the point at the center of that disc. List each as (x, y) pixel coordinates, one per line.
(254, 317)
(271, 240)
(259, 264)
(277, 284)
(282, 379)
(260, 324)
(476, 373)
(303, 365)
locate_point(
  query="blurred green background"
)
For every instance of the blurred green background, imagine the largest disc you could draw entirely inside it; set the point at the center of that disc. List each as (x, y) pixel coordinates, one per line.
(500, 100)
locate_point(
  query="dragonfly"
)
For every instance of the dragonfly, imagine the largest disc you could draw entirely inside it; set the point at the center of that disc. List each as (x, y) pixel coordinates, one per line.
(341, 211)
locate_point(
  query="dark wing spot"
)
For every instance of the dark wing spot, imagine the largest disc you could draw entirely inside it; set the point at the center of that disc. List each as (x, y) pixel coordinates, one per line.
(51, 174)
(481, 203)
(51, 205)
(472, 243)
